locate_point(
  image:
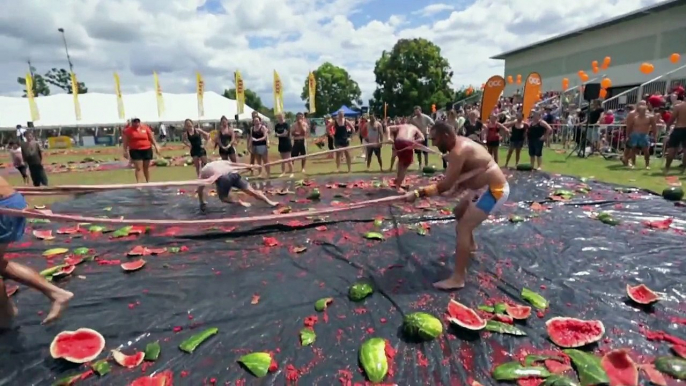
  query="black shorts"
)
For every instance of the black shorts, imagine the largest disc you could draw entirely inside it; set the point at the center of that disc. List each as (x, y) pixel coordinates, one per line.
(198, 152)
(38, 175)
(299, 148)
(425, 142)
(226, 153)
(677, 138)
(140, 155)
(341, 142)
(22, 171)
(373, 150)
(226, 182)
(495, 143)
(284, 146)
(535, 147)
(330, 142)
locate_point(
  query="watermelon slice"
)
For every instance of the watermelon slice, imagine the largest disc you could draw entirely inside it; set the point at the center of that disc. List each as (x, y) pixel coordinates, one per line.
(43, 235)
(138, 250)
(55, 252)
(133, 265)
(68, 231)
(518, 312)
(464, 316)
(73, 260)
(11, 290)
(64, 271)
(80, 346)
(138, 229)
(128, 361)
(164, 378)
(156, 251)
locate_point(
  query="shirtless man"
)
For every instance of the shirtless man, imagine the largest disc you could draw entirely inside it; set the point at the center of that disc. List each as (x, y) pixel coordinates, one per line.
(678, 135)
(405, 138)
(299, 133)
(226, 177)
(12, 230)
(640, 128)
(465, 157)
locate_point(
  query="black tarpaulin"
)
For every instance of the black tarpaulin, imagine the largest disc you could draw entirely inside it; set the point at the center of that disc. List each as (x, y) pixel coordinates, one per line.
(259, 294)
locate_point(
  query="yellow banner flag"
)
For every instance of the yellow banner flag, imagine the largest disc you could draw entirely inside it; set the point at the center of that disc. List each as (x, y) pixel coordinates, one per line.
(240, 94)
(75, 92)
(278, 94)
(312, 85)
(532, 93)
(32, 101)
(158, 93)
(200, 91)
(120, 100)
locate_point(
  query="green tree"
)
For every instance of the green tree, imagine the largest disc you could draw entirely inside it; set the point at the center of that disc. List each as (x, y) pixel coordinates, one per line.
(289, 115)
(469, 97)
(412, 74)
(40, 87)
(62, 78)
(252, 100)
(334, 89)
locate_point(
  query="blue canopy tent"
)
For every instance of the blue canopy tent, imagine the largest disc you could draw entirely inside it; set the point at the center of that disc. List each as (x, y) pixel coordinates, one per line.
(347, 111)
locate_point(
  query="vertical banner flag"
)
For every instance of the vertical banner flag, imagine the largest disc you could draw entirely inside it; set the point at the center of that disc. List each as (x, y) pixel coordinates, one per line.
(75, 92)
(240, 94)
(120, 100)
(200, 91)
(532, 92)
(278, 94)
(158, 93)
(493, 88)
(32, 101)
(312, 84)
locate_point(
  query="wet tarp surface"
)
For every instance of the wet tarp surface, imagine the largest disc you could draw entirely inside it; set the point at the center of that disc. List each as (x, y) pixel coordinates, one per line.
(251, 283)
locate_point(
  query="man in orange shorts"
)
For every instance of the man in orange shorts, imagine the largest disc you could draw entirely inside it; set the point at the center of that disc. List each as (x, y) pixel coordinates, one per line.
(405, 138)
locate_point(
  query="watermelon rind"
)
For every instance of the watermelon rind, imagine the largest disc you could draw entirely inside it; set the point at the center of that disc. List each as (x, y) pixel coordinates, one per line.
(478, 322)
(620, 368)
(133, 265)
(55, 353)
(641, 294)
(560, 329)
(128, 361)
(518, 312)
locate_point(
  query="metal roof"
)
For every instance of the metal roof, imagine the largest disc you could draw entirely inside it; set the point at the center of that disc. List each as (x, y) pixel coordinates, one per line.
(597, 26)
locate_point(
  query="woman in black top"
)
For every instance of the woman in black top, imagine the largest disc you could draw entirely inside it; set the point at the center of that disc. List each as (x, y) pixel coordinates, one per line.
(226, 140)
(341, 139)
(192, 137)
(472, 127)
(536, 136)
(518, 130)
(283, 133)
(258, 143)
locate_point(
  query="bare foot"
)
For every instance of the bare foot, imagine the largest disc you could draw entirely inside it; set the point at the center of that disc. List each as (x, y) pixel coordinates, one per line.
(449, 284)
(244, 204)
(273, 203)
(59, 304)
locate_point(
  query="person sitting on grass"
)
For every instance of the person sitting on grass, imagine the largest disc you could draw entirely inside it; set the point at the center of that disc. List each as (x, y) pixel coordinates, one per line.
(12, 230)
(225, 176)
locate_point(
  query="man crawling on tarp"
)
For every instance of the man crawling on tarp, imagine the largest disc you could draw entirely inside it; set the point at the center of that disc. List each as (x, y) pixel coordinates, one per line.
(226, 177)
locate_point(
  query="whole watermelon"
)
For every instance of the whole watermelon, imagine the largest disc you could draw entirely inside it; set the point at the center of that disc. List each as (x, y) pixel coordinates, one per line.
(421, 325)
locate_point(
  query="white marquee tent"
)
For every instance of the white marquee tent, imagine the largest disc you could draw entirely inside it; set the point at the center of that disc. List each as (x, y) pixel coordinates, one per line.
(100, 110)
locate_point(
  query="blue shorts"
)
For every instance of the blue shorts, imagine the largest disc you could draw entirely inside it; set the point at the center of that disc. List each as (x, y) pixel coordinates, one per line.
(228, 181)
(12, 228)
(639, 140)
(493, 198)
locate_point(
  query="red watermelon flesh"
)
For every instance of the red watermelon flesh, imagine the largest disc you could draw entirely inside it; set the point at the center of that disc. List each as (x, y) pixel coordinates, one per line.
(518, 312)
(641, 294)
(137, 230)
(64, 271)
(128, 361)
(164, 378)
(156, 251)
(620, 368)
(654, 376)
(133, 265)
(138, 250)
(73, 260)
(11, 290)
(43, 235)
(80, 346)
(503, 318)
(464, 316)
(68, 231)
(571, 332)
(677, 348)
(556, 367)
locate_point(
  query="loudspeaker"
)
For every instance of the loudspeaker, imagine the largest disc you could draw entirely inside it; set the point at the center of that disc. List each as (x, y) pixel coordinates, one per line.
(591, 91)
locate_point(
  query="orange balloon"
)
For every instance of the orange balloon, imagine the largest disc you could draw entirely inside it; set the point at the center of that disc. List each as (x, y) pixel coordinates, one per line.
(603, 93)
(519, 77)
(565, 83)
(607, 61)
(509, 79)
(595, 70)
(594, 63)
(647, 68)
(519, 80)
(674, 58)
(606, 83)
(580, 73)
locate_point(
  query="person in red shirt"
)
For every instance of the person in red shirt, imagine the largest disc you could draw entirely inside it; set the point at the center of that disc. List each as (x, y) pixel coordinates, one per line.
(138, 142)
(655, 101)
(678, 90)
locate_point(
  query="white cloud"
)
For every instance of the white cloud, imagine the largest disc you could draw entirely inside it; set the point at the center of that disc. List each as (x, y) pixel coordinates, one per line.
(433, 9)
(135, 37)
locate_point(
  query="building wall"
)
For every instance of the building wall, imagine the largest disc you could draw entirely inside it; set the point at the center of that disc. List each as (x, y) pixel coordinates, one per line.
(652, 38)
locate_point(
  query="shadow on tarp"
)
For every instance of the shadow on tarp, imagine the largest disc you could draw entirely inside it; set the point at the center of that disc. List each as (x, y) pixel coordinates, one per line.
(581, 265)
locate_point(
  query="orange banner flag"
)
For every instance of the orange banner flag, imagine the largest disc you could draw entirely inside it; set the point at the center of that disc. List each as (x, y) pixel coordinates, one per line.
(489, 98)
(532, 91)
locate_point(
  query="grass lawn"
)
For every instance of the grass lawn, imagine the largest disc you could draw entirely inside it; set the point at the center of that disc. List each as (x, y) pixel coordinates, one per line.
(554, 162)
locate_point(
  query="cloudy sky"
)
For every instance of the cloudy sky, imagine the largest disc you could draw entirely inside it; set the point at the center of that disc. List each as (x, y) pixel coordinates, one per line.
(178, 37)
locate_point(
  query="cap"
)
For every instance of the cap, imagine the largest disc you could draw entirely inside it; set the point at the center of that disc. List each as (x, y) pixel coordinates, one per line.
(134, 118)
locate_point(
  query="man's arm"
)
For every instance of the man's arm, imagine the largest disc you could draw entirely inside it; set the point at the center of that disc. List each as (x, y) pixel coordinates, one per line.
(672, 119)
(629, 124)
(452, 175)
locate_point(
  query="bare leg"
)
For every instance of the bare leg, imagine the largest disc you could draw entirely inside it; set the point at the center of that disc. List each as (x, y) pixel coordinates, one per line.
(265, 160)
(260, 196)
(203, 161)
(338, 162)
(31, 278)
(539, 163)
(138, 170)
(348, 161)
(233, 158)
(393, 157)
(146, 170)
(518, 153)
(196, 163)
(400, 177)
(283, 165)
(369, 159)
(7, 309)
(253, 158)
(378, 158)
(508, 156)
(671, 153)
(303, 162)
(646, 156)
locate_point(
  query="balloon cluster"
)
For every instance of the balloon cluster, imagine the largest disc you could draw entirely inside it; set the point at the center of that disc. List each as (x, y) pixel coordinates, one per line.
(511, 80)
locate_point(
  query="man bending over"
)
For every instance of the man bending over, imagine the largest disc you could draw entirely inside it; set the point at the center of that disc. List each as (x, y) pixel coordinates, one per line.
(405, 138)
(226, 177)
(465, 157)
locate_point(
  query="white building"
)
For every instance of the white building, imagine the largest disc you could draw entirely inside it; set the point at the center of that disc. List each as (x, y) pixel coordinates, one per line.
(649, 35)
